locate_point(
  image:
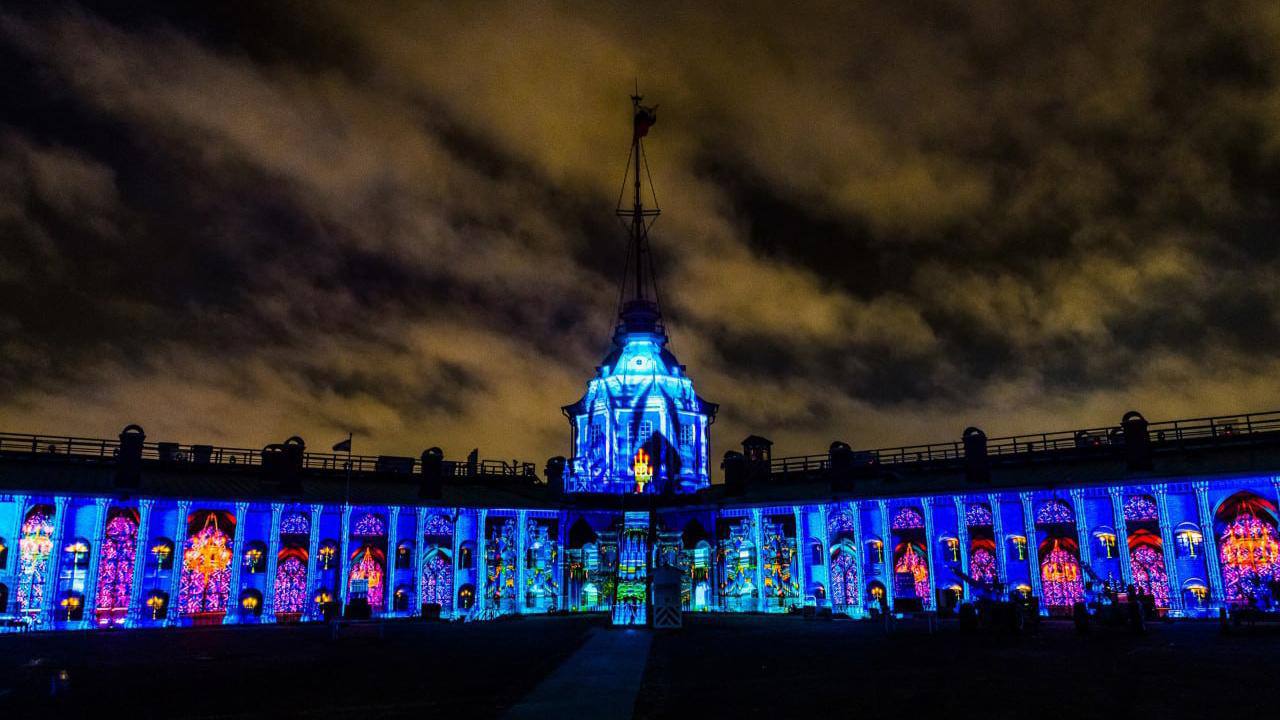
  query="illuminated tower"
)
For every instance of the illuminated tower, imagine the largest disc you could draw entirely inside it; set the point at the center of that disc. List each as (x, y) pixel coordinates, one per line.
(640, 427)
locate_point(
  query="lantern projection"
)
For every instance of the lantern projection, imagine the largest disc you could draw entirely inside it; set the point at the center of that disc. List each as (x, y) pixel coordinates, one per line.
(1060, 575)
(115, 568)
(1250, 555)
(206, 570)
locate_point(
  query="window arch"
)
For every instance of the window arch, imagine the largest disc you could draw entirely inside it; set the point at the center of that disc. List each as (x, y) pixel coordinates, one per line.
(71, 605)
(467, 556)
(1188, 540)
(404, 555)
(1055, 512)
(982, 560)
(1249, 547)
(115, 567)
(1146, 561)
(910, 558)
(367, 565)
(437, 580)
(34, 549)
(400, 598)
(161, 554)
(251, 603)
(205, 583)
(844, 575)
(1141, 508)
(1060, 579)
(291, 582)
(467, 596)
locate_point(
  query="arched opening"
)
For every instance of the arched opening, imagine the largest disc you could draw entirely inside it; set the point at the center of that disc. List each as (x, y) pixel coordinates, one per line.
(1195, 594)
(35, 546)
(205, 582)
(817, 556)
(467, 596)
(365, 580)
(982, 560)
(876, 595)
(910, 559)
(157, 605)
(291, 584)
(781, 588)
(115, 566)
(404, 555)
(250, 605)
(844, 577)
(542, 548)
(467, 556)
(254, 559)
(700, 595)
(400, 598)
(71, 605)
(1146, 560)
(1060, 581)
(1248, 547)
(73, 578)
(437, 580)
(1188, 540)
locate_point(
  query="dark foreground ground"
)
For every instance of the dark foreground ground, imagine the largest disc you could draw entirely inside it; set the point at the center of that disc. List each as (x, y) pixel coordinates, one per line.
(718, 666)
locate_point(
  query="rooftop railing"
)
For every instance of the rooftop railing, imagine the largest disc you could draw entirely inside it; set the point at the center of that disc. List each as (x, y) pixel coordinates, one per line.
(92, 449)
(1222, 427)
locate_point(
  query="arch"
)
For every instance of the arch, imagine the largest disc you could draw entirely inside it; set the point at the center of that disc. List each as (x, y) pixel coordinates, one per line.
(35, 545)
(1055, 512)
(911, 558)
(581, 533)
(875, 591)
(466, 555)
(291, 582)
(205, 582)
(818, 591)
(1146, 563)
(1060, 580)
(437, 579)
(875, 549)
(839, 522)
(1249, 546)
(251, 603)
(404, 554)
(157, 603)
(71, 605)
(982, 560)
(1188, 539)
(115, 566)
(467, 596)
(844, 575)
(400, 598)
(817, 552)
(368, 564)
(1105, 536)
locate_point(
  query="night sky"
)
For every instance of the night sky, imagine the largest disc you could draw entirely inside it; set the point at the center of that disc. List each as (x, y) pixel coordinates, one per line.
(882, 222)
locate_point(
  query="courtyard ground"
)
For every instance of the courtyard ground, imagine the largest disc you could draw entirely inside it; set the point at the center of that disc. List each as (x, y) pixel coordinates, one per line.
(577, 668)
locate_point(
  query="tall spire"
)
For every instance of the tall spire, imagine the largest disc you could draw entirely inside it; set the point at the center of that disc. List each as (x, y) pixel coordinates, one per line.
(638, 310)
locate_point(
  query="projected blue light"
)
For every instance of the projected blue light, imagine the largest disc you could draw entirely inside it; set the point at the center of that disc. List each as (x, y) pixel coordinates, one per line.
(640, 427)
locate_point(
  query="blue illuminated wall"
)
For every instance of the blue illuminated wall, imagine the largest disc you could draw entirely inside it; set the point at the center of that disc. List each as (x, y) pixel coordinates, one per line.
(640, 427)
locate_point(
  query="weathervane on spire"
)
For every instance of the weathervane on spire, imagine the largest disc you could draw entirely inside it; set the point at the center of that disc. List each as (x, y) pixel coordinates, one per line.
(638, 309)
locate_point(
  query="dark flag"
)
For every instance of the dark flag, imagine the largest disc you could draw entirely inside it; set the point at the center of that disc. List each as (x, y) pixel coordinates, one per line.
(344, 446)
(645, 118)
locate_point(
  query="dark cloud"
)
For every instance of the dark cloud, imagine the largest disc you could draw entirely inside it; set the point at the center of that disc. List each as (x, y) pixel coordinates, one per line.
(882, 223)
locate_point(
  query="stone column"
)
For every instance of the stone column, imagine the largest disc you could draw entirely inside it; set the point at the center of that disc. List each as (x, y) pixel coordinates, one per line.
(1211, 561)
(824, 541)
(482, 562)
(1002, 549)
(13, 536)
(420, 558)
(1082, 527)
(273, 558)
(313, 550)
(1122, 533)
(174, 610)
(393, 532)
(51, 606)
(522, 543)
(931, 548)
(237, 562)
(962, 538)
(344, 562)
(757, 538)
(1033, 549)
(860, 551)
(886, 551)
(140, 562)
(802, 557)
(1170, 552)
(95, 556)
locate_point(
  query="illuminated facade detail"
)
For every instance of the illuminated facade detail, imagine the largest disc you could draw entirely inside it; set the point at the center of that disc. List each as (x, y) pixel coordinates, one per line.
(977, 515)
(437, 581)
(291, 584)
(295, 524)
(777, 557)
(115, 569)
(438, 525)
(840, 522)
(982, 565)
(1140, 508)
(907, 519)
(368, 569)
(911, 565)
(1060, 574)
(844, 576)
(640, 398)
(1055, 512)
(1250, 555)
(34, 549)
(500, 565)
(738, 568)
(542, 587)
(369, 525)
(630, 604)
(206, 570)
(1147, 564)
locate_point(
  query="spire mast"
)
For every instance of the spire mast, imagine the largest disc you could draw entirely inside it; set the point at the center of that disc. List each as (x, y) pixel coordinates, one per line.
(638, 312)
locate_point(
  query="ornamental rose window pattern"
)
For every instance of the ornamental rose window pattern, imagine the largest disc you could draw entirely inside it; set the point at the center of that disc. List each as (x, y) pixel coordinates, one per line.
(34, 548)
(368, 568)
(907, 519)
(291, 585)
(777, 555)
(982, 565)
(1054, 512)
(205, 582)
(912, 560)
(295, 524)
(501, 564)
(1147, 564)
(1140, 508)
(438, 526)
(369, 525)
(977, 515)
(1060, 576)
(115, 566)
(437, 581)
(841, 522)
(1250, 556)
(844, 576)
